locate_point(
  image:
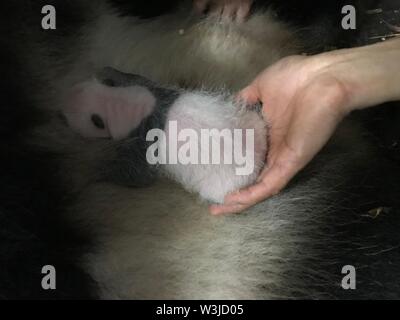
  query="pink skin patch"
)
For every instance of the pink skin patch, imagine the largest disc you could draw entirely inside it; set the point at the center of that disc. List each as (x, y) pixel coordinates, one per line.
(225, 9)
(95, 110)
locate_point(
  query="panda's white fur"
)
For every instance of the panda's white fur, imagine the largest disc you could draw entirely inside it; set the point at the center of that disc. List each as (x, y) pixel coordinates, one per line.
(160, 242)
(169, 48)
(199, 111)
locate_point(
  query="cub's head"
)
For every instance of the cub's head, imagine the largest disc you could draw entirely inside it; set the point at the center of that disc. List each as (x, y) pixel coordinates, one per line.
(208, 142)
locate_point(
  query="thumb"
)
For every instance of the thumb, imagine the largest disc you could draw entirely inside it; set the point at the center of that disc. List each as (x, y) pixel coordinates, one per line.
(271, 183)
(200, 5)
(250, 94)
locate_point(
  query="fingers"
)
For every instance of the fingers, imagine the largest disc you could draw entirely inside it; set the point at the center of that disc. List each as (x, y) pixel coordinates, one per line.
(225, 9)
(216, 9)
(246, 198)
(243, 11)
(218, 210)
(200, 5)
(229, 11)
(271, 182)
(250, 94)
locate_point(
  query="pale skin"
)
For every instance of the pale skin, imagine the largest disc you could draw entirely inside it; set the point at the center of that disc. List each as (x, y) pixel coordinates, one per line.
(225, 9)
(304, 99)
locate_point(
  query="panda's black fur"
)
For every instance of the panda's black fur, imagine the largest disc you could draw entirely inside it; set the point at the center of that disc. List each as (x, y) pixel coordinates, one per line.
(33, 229)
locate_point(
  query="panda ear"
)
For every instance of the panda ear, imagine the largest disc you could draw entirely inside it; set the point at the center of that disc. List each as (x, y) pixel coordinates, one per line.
(95, 110)
(127, 108)
(114, 78)
(111, 77)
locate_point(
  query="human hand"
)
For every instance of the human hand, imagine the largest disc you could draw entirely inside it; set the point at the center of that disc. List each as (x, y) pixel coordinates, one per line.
(304, 99)
(303, 107)
(226, 9)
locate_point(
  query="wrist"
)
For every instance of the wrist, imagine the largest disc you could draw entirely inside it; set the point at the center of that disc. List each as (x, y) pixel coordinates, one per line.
(383, 67)
(370, 75)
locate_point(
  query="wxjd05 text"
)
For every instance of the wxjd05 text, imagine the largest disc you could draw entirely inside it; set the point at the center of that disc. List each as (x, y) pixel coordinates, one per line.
(218, 310)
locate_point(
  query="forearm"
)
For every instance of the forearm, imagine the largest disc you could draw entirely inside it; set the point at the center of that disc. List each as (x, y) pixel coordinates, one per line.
(370, 74)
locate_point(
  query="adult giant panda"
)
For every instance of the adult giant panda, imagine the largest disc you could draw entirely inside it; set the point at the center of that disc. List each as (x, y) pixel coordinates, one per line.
(115, 227)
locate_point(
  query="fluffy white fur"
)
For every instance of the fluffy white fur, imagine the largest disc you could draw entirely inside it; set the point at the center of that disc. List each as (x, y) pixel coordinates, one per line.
(199, 111)
(214, 54)
(161, 243)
